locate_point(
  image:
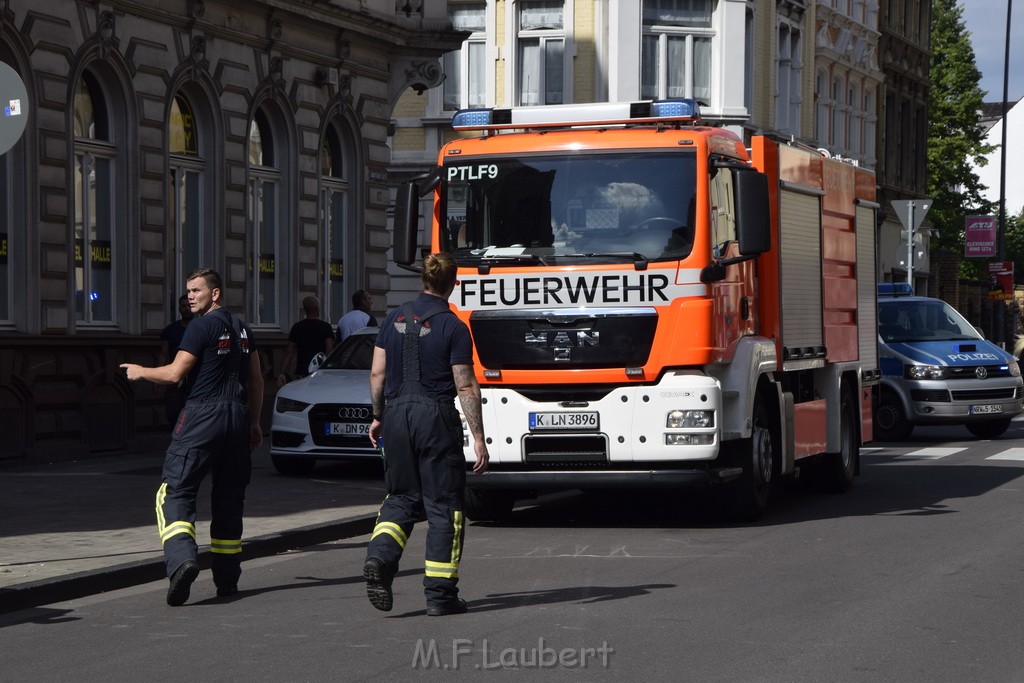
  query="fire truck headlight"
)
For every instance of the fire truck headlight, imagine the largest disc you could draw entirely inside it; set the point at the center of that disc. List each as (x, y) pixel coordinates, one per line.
(926, 372)
(689, 439)
(688, 419)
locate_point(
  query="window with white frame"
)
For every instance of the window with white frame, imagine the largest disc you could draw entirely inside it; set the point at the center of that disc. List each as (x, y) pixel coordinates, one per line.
(838, 138)
(675, 52)
(540, 52)
(464, 69)
(856, 120)
(265, 203)
(870, 121)
(94, 208)
(340, 252)
(186, 175)
(822, 108)
(789, 69)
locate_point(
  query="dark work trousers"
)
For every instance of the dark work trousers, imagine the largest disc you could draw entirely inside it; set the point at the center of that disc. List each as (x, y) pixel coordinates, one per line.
(425, 473)
(211, 436)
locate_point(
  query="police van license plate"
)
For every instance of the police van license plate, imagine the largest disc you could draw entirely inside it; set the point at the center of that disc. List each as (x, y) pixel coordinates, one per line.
(581, 420)
(984, 410)
(346, 428)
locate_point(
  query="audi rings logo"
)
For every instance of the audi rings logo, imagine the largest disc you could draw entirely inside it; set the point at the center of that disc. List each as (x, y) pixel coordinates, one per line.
(354, 413)
(980, 372)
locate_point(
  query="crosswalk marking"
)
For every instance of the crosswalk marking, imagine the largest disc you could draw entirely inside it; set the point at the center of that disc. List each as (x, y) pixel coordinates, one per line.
(932, 453)
(1008, 454)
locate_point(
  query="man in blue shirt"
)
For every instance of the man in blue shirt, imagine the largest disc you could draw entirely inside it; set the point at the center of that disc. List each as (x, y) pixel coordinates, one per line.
(216, 433)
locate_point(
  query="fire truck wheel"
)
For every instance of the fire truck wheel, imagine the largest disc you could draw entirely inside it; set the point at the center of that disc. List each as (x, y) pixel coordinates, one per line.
(836, 470)
(989, 429)
(747, 496)
(489, 506)
(890, 421)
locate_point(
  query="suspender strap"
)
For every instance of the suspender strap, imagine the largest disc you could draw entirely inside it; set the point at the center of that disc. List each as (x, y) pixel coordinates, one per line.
(411, 339)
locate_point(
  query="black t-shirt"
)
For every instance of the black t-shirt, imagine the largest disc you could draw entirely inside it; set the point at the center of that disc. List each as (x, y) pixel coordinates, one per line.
(208, 339)
(173, 334)
(310, 337)
(445, 342)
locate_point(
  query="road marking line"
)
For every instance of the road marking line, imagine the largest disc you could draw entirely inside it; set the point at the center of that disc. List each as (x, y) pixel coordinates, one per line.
(1008, 454)
(933, 453)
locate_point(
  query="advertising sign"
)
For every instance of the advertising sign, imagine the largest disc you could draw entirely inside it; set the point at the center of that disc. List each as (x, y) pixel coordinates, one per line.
(980, 236)
(1000, 276)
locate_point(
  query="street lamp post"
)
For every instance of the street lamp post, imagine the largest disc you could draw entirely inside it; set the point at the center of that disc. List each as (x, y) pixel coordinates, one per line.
(1000, 325)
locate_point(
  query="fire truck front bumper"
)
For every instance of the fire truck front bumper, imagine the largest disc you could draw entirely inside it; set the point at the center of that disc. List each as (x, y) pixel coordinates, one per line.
(553, 479)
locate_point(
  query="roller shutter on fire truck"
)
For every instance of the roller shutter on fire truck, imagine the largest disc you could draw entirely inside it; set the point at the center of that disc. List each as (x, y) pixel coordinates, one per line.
(800, 249)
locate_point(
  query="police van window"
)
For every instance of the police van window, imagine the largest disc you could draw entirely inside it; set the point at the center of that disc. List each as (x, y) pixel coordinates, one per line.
(723, 211)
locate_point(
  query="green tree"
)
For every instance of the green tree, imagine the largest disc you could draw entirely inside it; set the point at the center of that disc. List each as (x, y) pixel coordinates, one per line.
(955, 136)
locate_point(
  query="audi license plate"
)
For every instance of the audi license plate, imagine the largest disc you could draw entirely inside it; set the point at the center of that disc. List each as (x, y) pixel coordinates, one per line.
(985, 410)
(346, 428)
(586, 421)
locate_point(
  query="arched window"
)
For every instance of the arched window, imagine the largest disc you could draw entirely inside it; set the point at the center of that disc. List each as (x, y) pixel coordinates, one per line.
(187, 168)
(341, 252)
(267, 221)
(95, 214)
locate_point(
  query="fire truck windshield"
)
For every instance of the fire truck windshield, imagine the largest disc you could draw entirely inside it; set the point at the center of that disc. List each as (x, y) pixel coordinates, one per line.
(581, 207)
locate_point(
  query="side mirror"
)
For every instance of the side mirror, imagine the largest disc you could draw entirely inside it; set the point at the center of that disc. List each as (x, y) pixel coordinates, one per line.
(753, 224)
(316, 362)
(407, 204)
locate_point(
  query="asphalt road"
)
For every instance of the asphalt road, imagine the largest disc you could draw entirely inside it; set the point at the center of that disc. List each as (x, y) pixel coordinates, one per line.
(914, 575)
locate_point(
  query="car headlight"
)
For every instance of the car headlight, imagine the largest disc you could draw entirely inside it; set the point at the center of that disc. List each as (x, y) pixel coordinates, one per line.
(684, 419)
(289, 405)
(1014, 368)
(926, 372)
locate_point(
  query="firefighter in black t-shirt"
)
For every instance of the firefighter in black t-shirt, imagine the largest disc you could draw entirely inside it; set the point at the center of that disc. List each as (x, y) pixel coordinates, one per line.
(216, 433)
(422, 360)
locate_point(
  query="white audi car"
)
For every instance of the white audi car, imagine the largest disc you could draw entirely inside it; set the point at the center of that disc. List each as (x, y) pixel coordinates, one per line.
(326, 415)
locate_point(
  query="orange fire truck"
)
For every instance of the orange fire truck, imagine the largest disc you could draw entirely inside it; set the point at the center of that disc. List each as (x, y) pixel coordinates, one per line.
(651, 303)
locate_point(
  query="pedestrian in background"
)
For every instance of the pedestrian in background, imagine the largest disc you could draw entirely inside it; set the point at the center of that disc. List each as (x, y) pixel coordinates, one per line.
(307, 338)
(174, 394)
(359, 317)
(216, 433)
(423, 358)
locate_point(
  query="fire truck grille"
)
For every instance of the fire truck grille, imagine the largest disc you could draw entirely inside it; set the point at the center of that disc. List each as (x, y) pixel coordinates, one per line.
(566, 450)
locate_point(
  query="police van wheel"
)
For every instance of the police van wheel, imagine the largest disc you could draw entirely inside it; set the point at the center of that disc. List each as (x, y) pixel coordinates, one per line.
(489, 506)
(293, 467)
(890, 421)
(989, 429)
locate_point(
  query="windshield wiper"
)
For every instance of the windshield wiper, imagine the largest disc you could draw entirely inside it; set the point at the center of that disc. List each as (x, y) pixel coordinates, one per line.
(639, 260)
(486, 262)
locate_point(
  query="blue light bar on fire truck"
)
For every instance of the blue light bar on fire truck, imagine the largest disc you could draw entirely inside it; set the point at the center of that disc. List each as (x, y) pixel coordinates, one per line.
(591, 114)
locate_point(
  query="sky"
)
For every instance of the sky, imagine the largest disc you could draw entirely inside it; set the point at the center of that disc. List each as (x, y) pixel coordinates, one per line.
(986, 22)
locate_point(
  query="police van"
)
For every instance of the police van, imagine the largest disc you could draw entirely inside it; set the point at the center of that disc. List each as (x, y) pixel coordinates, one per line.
(937, 369)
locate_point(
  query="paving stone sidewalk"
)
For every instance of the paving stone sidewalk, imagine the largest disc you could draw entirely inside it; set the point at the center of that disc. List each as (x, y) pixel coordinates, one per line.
(73, 529)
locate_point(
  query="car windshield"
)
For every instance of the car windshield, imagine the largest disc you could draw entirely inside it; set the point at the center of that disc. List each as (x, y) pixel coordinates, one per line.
(582, 208)
(355, 353)
(913, 320)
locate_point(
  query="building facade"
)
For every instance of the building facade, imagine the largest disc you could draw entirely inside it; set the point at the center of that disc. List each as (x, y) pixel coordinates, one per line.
(796, 69)
(250, 136)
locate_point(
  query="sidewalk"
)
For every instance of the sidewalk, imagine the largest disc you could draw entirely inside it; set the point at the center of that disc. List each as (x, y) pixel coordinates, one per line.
(73, 529)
